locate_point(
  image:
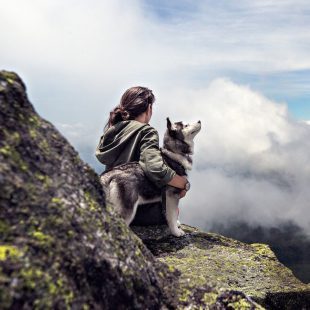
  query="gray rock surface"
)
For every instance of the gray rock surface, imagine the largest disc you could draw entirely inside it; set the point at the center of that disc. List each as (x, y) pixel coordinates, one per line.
(224, 263)
(60, 245)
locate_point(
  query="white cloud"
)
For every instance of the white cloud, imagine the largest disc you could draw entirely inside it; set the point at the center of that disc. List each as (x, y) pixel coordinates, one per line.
(252, 159)
(251, 162)
(110, 42)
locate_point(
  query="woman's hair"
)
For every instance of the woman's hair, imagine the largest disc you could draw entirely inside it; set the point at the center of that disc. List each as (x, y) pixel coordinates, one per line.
(134, 101)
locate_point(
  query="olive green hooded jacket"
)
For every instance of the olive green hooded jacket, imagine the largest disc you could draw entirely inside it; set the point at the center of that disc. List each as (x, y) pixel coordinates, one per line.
(129, 141)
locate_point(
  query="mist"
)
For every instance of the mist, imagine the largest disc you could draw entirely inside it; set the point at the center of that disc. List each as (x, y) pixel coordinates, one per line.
(252, 159)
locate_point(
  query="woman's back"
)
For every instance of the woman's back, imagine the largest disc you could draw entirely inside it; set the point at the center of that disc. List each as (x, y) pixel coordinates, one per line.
(120, 144)
(129, 141)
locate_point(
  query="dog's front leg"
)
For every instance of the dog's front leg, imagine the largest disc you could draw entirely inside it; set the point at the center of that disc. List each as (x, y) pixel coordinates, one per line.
(172, 201)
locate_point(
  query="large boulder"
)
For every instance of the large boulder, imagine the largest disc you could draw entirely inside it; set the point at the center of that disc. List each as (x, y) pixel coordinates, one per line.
(60, 245)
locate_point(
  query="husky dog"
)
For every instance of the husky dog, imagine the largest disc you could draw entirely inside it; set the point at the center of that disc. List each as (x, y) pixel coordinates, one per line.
(126, 186)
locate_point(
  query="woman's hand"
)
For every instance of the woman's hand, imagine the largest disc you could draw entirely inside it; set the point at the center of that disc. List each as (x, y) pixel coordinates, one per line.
(183, 193)
(178, 181)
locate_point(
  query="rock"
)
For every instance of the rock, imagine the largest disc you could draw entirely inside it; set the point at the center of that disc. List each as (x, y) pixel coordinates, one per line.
(207, 258)
(61, 246)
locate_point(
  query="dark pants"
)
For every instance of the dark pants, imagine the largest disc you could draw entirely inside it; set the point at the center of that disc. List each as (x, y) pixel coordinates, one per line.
(150, 214)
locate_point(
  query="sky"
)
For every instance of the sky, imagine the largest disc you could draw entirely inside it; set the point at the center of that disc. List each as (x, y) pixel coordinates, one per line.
(241, 67)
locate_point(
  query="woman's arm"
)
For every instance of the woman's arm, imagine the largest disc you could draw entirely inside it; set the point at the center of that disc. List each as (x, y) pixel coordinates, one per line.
(153, 164)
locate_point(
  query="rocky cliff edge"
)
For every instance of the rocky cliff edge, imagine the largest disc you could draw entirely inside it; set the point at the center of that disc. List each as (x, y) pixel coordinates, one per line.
(62, 247)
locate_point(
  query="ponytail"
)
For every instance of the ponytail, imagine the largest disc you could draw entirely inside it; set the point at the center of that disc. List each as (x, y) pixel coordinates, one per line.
(118, 115)
(134, 102)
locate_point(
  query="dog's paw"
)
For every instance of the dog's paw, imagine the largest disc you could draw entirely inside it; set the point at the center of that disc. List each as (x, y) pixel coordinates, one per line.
(178, 232)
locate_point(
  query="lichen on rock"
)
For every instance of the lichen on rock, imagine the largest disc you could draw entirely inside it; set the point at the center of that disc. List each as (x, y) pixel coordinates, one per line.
(223, 263)
(60, 246)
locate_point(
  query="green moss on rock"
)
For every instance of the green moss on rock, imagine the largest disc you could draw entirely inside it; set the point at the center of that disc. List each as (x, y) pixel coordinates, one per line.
(210, 259)
(44, 239)
(9, 251)
(76, 253)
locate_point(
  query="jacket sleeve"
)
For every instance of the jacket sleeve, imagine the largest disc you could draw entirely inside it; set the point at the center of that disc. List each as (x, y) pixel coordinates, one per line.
(98, 152)
(151, 159)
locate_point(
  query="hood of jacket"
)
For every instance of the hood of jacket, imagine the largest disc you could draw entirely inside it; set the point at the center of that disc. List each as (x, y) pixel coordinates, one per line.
(116, 140)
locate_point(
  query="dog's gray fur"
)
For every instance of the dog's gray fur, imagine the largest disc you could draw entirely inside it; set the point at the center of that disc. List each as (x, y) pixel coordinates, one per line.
(126, 186)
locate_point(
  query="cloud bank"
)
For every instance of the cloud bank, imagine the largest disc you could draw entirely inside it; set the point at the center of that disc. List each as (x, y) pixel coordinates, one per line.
(252, 158)
(251, 162)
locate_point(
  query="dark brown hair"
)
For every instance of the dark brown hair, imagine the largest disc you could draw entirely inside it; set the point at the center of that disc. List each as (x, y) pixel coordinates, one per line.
(134, 101)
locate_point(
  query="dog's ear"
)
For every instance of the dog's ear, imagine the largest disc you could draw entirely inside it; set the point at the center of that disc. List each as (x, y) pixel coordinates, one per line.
(172, 132)
(169, 125)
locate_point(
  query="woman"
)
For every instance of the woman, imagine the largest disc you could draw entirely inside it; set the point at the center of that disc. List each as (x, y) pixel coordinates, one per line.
(129, 137)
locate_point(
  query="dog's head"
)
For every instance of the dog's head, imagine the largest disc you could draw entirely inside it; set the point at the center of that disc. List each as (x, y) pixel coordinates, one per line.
(179, 133)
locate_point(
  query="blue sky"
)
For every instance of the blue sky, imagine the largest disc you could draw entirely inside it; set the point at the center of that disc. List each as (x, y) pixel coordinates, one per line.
(261, 43)
(289, 86)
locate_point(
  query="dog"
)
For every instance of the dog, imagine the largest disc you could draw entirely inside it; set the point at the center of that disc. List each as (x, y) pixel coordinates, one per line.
(126, 186)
